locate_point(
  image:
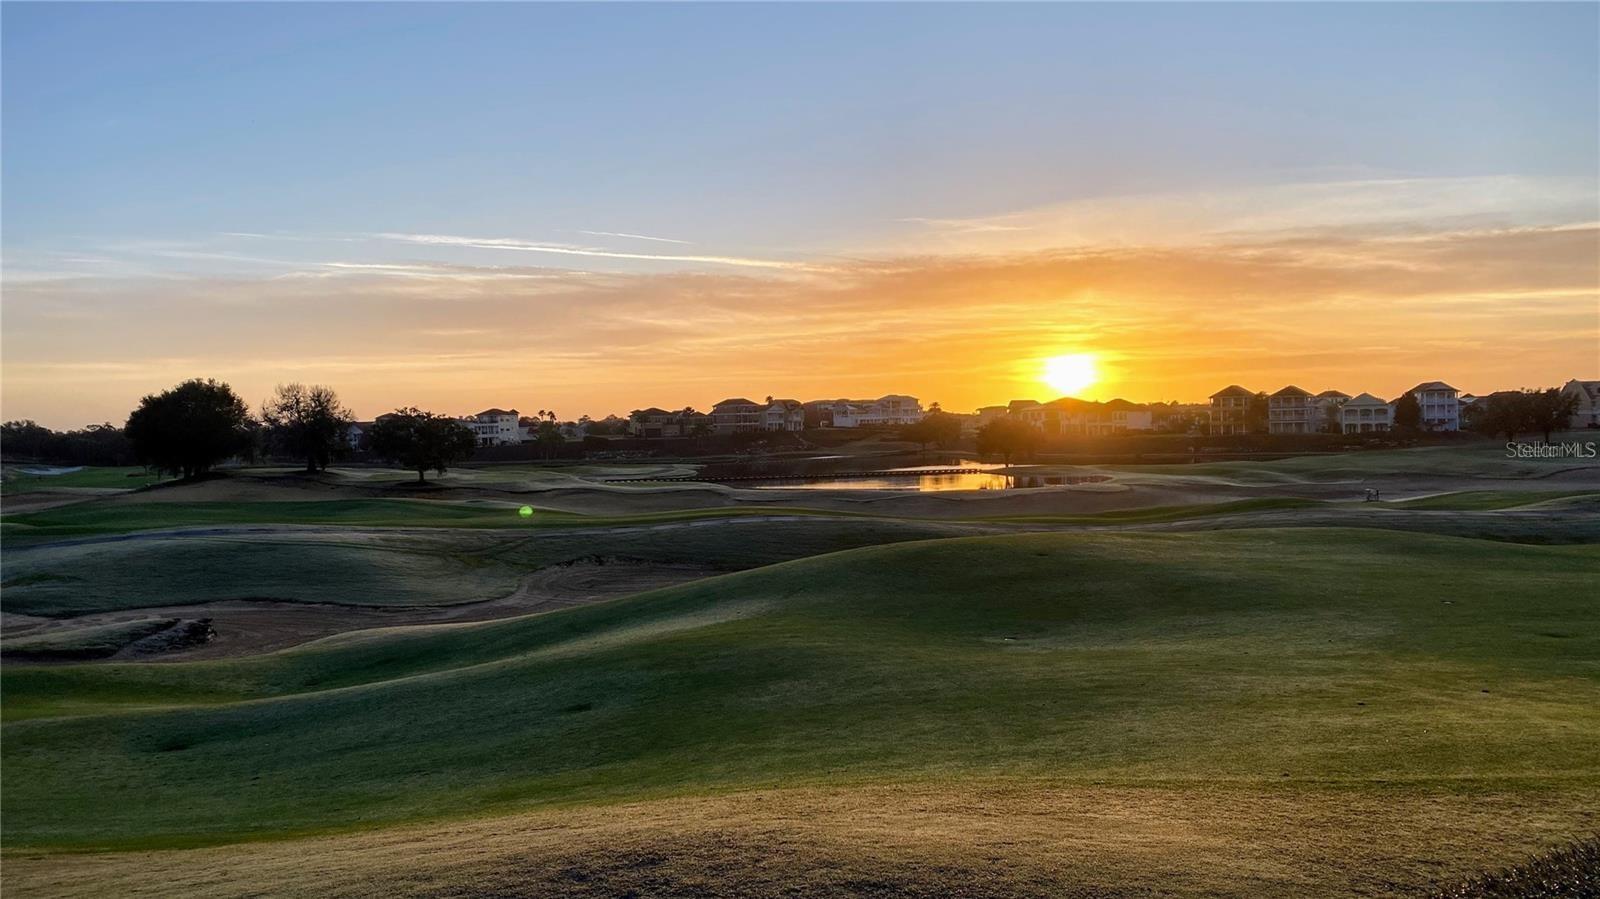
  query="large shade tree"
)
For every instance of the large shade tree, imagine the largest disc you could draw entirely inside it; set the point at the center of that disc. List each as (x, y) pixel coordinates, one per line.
(307, 422)
(1408, 413)
(190, 428)
(421, 440)
(1006, 438)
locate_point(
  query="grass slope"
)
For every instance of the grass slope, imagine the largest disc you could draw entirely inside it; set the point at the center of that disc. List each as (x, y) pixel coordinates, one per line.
(375, 569)
(16, 480)
(1473, 459)
(1332, 656)
(90, 519)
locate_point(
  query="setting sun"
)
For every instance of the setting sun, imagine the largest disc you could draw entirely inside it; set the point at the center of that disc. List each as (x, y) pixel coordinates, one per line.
(1070, 374)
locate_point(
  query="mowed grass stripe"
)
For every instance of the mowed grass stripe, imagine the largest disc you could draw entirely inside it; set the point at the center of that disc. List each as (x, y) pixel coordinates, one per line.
(1269, 656)
(92, 519)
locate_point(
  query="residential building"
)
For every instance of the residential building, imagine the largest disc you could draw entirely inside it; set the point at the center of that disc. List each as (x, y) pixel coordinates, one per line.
(1069, 416)
(886, 411)
(1441, 406)
(495, 427)
(987, 414)
(1366, 413)
(1116, 416)
(1230, 410)
(737, 415)
(1586, 414)
(655, 422)
(1289, 412)
(1324, 413)
(783, 415)
(356, 434)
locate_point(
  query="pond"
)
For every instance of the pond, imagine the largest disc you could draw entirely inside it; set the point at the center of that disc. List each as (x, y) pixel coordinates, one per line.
(920, 478)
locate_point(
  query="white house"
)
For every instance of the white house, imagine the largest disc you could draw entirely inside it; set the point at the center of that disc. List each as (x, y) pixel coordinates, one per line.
(885, 411)
(1441, 406)
(783, 415)
(1586, 414)
(1366, 413)
(495, 427)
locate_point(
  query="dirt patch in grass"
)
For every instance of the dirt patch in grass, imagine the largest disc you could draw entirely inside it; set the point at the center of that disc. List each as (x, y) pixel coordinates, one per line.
(1001, 839)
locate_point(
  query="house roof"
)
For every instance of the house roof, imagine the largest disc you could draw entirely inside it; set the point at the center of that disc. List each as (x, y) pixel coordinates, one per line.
(1332, 394)
(1431, 385)
(735, 401)
(1014, 405)
(1232, 390)
(1292, 390)
(1592, 388)
(1121, 404)
(1365, 399)
(497, 412)
(787, 404)
(651, 411)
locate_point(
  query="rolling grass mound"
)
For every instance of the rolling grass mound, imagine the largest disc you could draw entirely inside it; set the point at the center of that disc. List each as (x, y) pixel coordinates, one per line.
(1352, 658)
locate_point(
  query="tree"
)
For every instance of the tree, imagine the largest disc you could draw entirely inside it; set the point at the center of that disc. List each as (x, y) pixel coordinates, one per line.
(1549, 410)
(190, 428)
(1408, 413)
(937, 427)
(1505, 413)
(307, 422)
(1256, 414)
(1332, 417)
(421, 440)
(1006, 437)
(549, 438)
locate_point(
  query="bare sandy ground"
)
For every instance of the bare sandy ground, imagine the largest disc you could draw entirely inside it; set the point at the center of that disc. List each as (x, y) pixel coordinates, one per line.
(975, 839)
(255, 626)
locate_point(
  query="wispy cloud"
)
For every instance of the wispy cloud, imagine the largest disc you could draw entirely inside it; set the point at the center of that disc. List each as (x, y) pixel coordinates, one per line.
(635, 236)
(502, 243)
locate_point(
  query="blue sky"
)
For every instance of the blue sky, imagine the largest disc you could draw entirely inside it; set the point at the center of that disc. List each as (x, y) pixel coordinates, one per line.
(147, 140)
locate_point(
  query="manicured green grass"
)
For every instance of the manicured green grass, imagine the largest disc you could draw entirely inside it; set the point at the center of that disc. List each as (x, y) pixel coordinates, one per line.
(128, 477)
(1325, 655)
(1160, 514)
(89, 519)
(1492, 500)
(395, 569)
(1474, 458)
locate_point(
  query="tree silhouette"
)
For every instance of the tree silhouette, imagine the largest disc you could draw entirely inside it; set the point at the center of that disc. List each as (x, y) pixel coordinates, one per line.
(308, 422)
(190, 428)
(421, 440)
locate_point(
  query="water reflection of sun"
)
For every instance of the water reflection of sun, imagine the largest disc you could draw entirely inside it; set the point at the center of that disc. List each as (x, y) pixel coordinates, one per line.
(1068, 375)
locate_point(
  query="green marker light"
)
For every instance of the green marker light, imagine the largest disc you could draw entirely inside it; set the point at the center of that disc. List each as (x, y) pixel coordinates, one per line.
(525, 511)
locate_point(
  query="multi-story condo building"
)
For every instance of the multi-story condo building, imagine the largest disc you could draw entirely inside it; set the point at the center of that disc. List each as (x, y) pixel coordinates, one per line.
(1230, 410)
(653, 422)
(1289, 412)
(1366, 413)
(1586, 414)
(736, 415)
(495, 427)
(885, 411)
(1441, 406)
(1069, 416)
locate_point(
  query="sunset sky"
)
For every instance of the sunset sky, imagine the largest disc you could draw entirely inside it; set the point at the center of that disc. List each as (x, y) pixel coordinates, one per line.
(598, 208)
